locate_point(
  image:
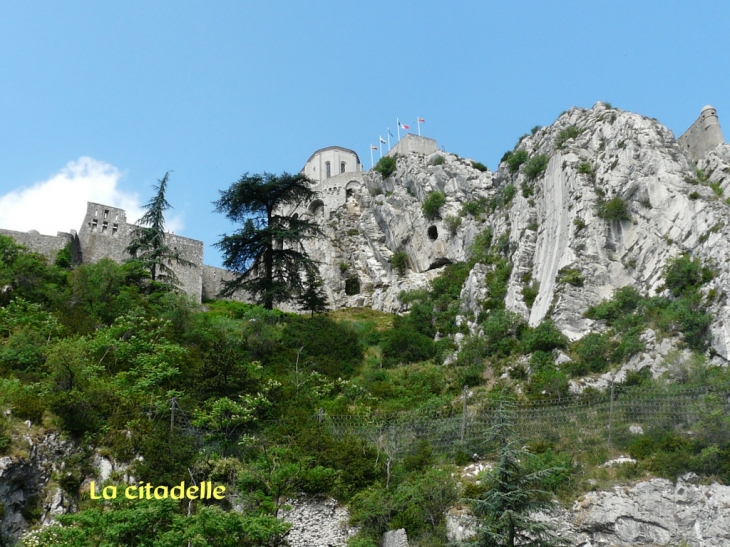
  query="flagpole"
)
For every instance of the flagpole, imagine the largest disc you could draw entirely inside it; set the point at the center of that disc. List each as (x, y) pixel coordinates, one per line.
(372, 163)
(418, 121)
(398, 124)
(389, 139)
(381, 147)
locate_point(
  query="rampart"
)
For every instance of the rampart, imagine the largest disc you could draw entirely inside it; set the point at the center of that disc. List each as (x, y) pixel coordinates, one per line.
(48, 246)
(414, 143)
(703, 135)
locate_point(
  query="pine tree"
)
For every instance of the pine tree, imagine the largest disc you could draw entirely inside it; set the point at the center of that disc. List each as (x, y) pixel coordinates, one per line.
(267, 251)
(512, 494)
(148, 245)
(313, 297)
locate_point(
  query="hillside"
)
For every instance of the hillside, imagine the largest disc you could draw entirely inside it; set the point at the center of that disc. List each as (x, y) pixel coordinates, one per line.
(583, 284)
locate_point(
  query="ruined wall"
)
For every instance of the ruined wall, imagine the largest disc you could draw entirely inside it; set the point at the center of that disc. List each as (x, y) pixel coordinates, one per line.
(39, 243)
(703, 135)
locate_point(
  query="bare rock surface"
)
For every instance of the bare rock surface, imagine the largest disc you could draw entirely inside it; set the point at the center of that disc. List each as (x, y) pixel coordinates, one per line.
(317, 522)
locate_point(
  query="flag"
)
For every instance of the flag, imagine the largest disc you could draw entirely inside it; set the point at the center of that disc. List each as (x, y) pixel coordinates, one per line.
(373, 147)
(391, 134)
(403, 126)
(421, 120)
(383, 140)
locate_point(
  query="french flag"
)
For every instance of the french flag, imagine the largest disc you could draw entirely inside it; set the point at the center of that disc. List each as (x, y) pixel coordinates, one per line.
(403, 126)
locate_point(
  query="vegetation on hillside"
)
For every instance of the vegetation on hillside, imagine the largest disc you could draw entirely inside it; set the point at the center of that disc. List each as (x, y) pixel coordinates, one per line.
(101, 355)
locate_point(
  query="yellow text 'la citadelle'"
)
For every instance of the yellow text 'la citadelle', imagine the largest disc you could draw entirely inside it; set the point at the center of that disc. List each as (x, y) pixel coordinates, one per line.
(143, 491)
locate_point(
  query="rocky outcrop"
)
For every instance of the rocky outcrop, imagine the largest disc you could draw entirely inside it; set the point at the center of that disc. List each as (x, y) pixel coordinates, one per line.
(554, 221)
(655, 513)
(317, 522)
(395, 538)
(25, 483)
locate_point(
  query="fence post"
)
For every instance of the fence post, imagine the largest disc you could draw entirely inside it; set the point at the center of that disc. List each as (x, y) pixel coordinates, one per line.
(463, 415)
(610, 415)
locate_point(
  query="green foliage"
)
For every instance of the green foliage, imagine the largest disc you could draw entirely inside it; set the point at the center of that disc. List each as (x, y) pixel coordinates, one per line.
(452, 223)
(536, 166)
(313, 297)
(479, 166)
(474, 208)
(571, 276)
(565, 135)
(148, 244)
(160, 523)
(530, 292)
(64, 257)
(685, 274)
(579, 224)
(586, 168)
(404, 344)
(512, 492)
(431, 206)
(545, 337)
(266, 252)
(515, 159)
(399, 262)
(438, 160)
(386, 166)
(694, 195)
(614, 209)
(352, 285)
(594, 354)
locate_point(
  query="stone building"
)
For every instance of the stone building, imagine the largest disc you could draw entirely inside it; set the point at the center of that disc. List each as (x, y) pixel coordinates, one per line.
(703, 135)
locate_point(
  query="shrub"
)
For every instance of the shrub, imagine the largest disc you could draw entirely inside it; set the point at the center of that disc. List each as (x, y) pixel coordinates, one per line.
(479, 166)
(545, 337)
(515, 159)
(566, 134)
(536, 166)
(438, 160)
(571, 276)
(535, 129)
(452, 223)
(399, 262)
(432, 205)
(352, 286)
(404, 344)
(579, 224)
(614, 209)
(530, 292)
(586, 169)
(386, 166)
(474, 208)
(594, 352)
(685, 274)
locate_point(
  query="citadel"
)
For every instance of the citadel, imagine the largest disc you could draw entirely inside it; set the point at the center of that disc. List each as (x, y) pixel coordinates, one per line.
(341, 187)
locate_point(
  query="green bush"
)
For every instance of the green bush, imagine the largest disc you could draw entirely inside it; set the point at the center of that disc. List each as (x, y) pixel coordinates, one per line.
(432, 205)
(452, 223)
(566, 134)
(479, 166)
(386, 166)
(404, 344)
(571, 276)
(399, 262)
(536, 166)
(545, 337)
(594, 352)
(438, 160)
(515, 159)
(474, 208)
(614, 209)
(530, 292)
(685, 274)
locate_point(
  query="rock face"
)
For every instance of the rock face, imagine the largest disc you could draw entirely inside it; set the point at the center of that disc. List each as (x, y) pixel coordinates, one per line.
(24, 485)
(593, 156)
(317, 522)
(653, 513)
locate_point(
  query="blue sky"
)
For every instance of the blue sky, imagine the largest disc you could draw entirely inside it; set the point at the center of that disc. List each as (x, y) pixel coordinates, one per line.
(100, 99)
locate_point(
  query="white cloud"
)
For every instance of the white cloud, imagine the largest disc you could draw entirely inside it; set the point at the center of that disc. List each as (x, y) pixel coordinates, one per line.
(59, 203)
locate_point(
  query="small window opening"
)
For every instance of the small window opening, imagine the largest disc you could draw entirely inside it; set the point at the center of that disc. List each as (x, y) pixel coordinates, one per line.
(115, 227)
(104, 226)
(328, 169)
(93, 225)
(342, 167)
(433, 232)
(106, 213)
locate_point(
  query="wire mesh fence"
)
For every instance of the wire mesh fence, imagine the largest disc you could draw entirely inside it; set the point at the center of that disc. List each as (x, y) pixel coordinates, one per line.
(584, 423)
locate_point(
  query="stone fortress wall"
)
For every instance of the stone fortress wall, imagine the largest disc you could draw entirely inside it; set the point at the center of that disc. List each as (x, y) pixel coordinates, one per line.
(703, 135)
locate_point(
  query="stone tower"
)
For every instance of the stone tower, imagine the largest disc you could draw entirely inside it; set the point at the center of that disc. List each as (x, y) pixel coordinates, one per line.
(703, 135)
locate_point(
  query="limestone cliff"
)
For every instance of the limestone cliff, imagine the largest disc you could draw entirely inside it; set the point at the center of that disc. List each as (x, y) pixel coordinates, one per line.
(554, 223)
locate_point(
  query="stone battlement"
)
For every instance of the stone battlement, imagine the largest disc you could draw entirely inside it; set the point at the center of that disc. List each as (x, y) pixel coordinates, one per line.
(703, 135)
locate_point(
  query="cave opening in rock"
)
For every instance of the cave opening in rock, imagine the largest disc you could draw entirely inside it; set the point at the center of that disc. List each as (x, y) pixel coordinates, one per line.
(433, 232)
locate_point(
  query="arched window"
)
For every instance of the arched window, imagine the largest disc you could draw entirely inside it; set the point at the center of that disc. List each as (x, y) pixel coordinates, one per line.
(342, 167)
(328, 169)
